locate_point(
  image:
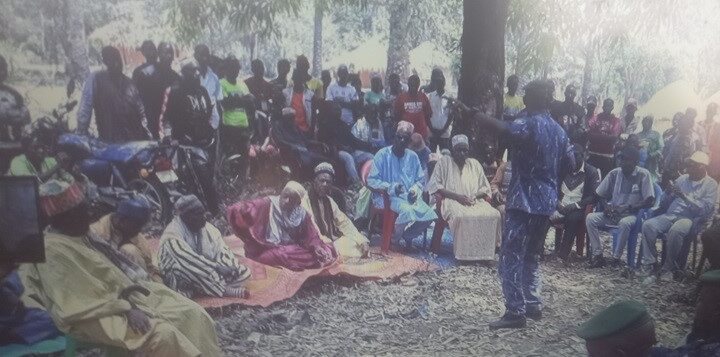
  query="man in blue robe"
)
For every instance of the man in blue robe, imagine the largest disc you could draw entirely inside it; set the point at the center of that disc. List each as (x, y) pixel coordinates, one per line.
(397, 171)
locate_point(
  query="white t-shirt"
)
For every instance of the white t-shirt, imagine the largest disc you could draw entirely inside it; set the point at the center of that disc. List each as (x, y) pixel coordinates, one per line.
(440, 111)
(344, 94)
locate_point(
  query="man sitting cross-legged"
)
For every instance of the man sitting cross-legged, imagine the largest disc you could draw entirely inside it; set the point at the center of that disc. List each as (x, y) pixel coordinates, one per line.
(334, 226)
(625, 190)
(692, 195)
(193, 257)
(278, 231)
(461, 181)
(397, 171)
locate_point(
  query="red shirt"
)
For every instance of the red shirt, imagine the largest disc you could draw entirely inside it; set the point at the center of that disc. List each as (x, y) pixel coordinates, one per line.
(414, 109)
(297, 104)
(604, 130)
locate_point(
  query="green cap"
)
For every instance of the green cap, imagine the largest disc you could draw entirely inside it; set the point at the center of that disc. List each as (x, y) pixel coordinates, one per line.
(614, 319)
(711, 277)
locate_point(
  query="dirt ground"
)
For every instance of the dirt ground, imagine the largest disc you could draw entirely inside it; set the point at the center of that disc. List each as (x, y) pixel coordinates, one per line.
(444, 313)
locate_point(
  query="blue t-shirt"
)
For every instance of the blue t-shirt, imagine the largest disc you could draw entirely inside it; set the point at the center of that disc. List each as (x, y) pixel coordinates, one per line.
(541, 152)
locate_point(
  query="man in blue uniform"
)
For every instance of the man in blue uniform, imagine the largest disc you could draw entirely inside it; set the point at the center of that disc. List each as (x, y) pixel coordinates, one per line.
(532, 197)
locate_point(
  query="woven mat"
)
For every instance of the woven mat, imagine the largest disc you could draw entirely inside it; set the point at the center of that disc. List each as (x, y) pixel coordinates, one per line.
(270, 284)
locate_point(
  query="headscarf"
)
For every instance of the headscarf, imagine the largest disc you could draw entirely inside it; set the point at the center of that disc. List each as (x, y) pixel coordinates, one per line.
(282, 222)
(405, 126)
(417, 142)
(324, 167)
(460, 139)
(134, 209)
(188, 203)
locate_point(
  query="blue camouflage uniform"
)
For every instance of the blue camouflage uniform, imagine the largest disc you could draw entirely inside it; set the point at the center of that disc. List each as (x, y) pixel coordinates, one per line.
(542, 153)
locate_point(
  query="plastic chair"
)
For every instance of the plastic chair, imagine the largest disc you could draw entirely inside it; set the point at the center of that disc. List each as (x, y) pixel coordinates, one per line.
(632, 243)
(388, 216)
(581, 236)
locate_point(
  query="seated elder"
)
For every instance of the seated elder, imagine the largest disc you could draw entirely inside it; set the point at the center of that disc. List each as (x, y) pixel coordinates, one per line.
(93, 300)
(463, 186)
(334, 226)
(396, 170)
(278, 231)
(690, 196)
(194, 259)
(122, 231)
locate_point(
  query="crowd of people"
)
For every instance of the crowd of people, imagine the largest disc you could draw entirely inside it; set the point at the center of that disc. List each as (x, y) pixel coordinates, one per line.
(398, 147)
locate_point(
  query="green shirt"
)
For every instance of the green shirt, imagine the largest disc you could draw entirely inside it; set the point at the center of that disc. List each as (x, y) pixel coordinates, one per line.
(21, 166)
(374, 98)
(237, 116)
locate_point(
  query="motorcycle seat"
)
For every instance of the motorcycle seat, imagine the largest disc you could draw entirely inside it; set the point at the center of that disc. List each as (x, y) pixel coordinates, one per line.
(122, 153)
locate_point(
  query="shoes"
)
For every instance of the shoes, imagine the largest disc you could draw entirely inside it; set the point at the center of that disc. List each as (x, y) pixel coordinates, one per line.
(614, 262)
(533, 312)
(597, 262)
(647, 270)
(628, 273)
(664, 277)
(650, 280)
(509, 320)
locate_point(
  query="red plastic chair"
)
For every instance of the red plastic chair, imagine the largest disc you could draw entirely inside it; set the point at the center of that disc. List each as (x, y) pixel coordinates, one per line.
(388, 216)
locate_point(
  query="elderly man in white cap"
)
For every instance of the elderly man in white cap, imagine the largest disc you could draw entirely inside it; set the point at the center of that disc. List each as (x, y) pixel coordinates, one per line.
(692, 195)
(333, 224)
(463, 187)
(397, 171)
(194, 259)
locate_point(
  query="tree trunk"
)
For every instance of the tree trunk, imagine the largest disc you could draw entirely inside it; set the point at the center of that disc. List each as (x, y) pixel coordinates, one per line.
(73, 40)
(482, 66)
(398, 60)
(317, 40)
(587, 76)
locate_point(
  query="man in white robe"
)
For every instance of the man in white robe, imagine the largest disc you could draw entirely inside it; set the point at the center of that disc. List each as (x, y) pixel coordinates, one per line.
(463, 187)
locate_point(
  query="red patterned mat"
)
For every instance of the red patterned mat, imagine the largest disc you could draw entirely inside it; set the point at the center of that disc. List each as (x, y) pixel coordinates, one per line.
(269, 284)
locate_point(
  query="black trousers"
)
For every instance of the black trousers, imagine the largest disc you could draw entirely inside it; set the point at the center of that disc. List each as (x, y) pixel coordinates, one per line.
(572, 223)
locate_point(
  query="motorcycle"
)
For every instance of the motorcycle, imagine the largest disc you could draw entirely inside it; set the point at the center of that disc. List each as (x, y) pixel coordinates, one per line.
(139, 169)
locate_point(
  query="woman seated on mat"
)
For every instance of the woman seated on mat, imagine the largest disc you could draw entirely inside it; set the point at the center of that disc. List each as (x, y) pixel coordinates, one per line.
(278, 231)
(463, 186)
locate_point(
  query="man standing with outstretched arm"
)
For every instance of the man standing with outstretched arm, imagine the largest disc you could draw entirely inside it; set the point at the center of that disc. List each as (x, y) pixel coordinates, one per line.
(531, 199)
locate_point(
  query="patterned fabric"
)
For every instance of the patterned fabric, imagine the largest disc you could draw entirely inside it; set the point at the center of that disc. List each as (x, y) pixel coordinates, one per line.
(189, 261)
(546, 154)
(522, 244)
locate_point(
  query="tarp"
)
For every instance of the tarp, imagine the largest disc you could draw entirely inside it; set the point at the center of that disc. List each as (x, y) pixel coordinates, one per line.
(673, 98)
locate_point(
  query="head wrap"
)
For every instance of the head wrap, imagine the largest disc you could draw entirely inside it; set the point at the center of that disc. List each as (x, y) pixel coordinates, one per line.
(633, 102)
(417, 142)
(57, 197)
(188, 203)
(134, 209)
(700, 158)
(295, 188)
(324, 167)
(592, 99)
(459, 139)
(405, 126)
